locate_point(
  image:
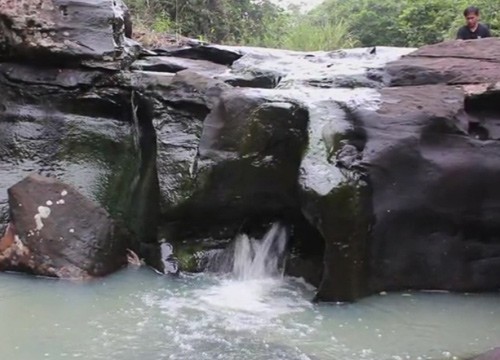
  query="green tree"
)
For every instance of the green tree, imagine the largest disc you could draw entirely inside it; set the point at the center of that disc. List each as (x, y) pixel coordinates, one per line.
(372, 22)
(216, 20)
(405, 22)
(246, 22)
(426, 22)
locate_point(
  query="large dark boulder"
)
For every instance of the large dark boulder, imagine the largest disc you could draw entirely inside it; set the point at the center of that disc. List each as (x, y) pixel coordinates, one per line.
(453, 62)
(414, 170)
(433, 165)
(177, 107)
(67, 109)
(334, 196)
(55, 231)
(64, 31)
(246, 164)
(434, 192)
(256, 140)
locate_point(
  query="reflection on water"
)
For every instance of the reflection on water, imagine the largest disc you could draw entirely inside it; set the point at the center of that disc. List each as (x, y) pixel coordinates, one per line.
(137, 314)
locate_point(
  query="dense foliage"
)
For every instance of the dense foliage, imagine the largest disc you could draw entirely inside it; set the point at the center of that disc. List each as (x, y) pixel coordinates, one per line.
(246, 22)
(405, 22)
(331, 25)
(230, 21)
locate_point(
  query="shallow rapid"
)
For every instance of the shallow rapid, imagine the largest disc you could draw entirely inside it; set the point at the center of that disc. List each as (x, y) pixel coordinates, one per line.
(252, 313)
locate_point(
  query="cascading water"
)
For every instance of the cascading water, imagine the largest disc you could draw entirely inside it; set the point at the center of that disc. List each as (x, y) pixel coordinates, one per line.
(258, 259)
(250, 271)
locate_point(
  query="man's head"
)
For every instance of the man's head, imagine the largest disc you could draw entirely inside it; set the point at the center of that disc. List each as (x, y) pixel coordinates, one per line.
(472, 16)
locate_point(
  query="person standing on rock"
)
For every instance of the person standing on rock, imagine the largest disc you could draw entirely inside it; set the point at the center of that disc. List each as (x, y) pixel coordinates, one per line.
(474, 29)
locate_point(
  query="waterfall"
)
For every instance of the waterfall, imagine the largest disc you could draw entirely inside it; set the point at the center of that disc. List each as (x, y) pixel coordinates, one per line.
(254, 269)
(259, 258)
(248, 258)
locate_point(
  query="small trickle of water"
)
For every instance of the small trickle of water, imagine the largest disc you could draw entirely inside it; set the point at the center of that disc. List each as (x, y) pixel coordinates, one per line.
(258, 259)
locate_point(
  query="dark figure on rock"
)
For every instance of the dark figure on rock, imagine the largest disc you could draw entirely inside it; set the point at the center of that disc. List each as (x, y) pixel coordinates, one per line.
(473, 29)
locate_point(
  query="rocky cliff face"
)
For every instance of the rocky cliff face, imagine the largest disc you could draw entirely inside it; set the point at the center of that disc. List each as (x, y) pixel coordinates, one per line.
(381, 161)
(65, 101)
(432, 159)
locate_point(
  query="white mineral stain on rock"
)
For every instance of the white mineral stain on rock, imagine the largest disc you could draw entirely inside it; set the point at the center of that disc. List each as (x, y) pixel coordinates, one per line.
(72, 230)
(43, 213)
(60, 202)
(18, 243)
(64, 193)
(49, 203)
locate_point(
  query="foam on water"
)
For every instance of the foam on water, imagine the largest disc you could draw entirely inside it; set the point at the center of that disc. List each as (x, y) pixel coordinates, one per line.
(138, 314)
(256, 276)
(253, 313)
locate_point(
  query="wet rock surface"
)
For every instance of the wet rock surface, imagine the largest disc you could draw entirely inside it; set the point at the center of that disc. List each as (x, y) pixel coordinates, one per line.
(442, 236)
(369, 147)
(264, 154)
(450, 63)
(381, 161)
(66, 125)
(66, 110)
(437, 137)
(222, 55)
(64, 31)
(171, 64)
(55, 231)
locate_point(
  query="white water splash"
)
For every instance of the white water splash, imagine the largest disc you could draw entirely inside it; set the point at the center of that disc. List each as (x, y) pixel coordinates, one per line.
(259, 259)
(255, 278)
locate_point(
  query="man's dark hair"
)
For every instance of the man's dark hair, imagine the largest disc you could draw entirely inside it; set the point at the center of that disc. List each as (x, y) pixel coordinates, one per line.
(471, 10)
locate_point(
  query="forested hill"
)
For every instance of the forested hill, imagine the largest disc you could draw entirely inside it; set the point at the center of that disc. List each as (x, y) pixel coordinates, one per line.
(404, 22)
(331, 25)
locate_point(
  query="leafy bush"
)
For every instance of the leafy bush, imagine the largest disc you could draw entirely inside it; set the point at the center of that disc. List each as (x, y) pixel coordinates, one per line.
(331, 25)
(405, 22)
(322, 35)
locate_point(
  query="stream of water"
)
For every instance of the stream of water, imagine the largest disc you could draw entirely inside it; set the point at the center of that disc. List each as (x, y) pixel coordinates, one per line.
(252, 313)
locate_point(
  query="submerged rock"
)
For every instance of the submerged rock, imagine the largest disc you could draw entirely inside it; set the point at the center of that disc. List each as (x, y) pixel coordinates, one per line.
(55, 231)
